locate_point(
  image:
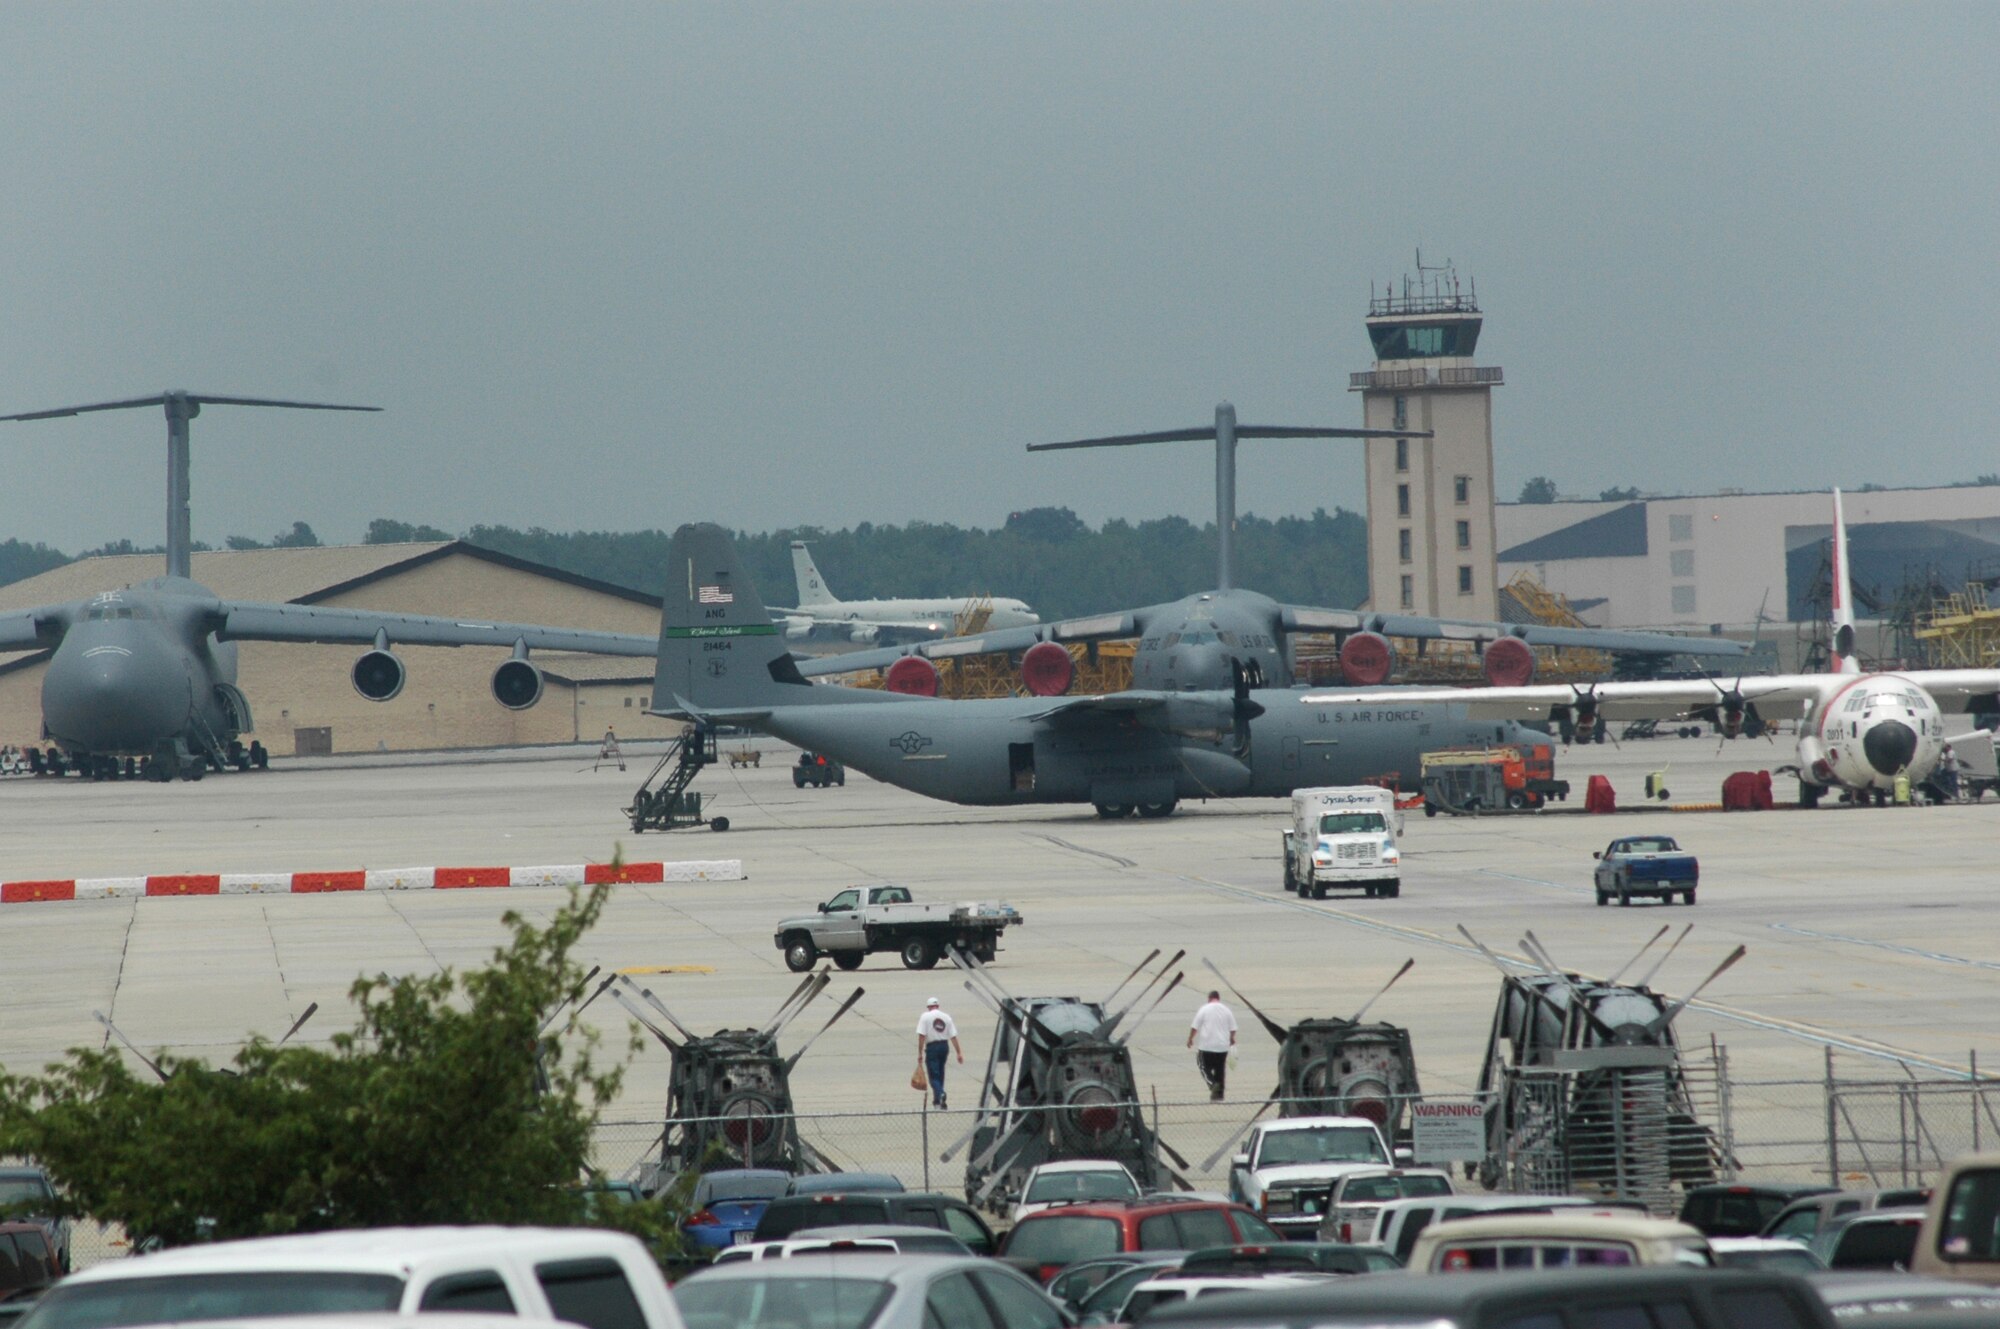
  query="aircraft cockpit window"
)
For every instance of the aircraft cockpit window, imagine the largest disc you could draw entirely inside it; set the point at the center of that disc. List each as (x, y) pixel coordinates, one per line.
(1352, 823)
(105, 613)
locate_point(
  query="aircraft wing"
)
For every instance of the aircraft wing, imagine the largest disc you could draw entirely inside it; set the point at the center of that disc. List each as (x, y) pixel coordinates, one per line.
(1098, 627)
(1660, 699)
(924, 625)
(1301, 618)
(1105, 706)
(251, 621)
(31, 629)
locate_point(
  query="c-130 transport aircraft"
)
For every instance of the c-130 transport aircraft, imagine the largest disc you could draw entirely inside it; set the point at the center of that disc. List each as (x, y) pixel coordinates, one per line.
(722, 661)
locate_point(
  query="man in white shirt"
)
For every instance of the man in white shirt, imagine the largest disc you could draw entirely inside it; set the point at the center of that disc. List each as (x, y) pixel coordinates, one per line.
(1211, 1036)
(936, 1035)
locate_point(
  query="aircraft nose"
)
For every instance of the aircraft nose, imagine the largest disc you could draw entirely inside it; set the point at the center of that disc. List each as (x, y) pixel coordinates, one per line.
(1889, 746)
(112, 698)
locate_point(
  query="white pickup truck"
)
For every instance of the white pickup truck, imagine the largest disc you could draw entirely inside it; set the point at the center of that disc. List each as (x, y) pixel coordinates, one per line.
(1287, 1170)
(849, 927)
(1342, 838)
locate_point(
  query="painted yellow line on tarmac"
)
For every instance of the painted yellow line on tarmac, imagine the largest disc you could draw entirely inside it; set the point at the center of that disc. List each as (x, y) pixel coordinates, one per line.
(639, 969)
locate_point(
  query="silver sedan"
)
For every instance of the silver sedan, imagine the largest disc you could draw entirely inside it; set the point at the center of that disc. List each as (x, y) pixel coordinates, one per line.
(867, 1292)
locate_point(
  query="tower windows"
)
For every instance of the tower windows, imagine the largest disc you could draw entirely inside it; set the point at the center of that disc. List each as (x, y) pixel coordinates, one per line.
(1680, 526)
(1402, 415)
(1402, 452)
(1465, 535)
(1403, 544)
(1402, 500)
(1464, 579)
(1409, 592)
(1461, 489)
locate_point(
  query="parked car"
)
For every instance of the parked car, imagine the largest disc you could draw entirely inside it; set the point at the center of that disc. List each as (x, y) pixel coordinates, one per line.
(27, 1192)
(867, 1292)
(1961, 1232)
(1287, 1168)
(1102, 1303)
(1787, 1257)
(847, 1183)
(1869, 1239)
(1324, 1257)
(1801, 1220)
(1401, 1222)
(1859, 1296)
(728, 1202)
(818, 770)
(1683, 1297)
(1072, 1181)
(1636, 865)
(1743, 1208)
(1041, 1244)
(1572, 1239)
(597, 1279)
(850, 1238)
(788, 1214)
(1357, 1197)
(27, 1261)
(1170, 1289)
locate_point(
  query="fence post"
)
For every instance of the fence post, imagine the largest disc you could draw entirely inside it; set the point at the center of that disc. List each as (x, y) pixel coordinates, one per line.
(1972, 1061)
(924, 1129)
(1723, 1109)
(1832, 1126)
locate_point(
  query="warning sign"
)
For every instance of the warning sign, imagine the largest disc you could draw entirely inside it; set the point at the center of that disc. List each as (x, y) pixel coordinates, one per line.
(1448, 1132)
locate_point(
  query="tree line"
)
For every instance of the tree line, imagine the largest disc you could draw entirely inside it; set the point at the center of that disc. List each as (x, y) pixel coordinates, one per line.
(1048, 557)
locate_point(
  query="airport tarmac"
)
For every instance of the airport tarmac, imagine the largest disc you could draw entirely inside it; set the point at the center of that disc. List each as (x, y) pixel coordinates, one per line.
(1869, 930)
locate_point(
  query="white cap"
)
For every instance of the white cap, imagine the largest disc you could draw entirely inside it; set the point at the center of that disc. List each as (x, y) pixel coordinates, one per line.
(932, 1002)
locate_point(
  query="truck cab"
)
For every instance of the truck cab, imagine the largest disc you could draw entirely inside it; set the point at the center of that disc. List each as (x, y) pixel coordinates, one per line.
(1344, 838)
(1288, 1168)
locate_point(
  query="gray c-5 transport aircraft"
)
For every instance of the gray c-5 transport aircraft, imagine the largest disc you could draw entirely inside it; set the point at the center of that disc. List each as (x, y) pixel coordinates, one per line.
(148, 673)
(1210, 639)
(722, 660)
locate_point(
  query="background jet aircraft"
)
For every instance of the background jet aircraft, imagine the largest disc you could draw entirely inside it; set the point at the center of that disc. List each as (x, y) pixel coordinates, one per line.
(722, 660)
(868, 621)
(1208, 639)
(149, 672)
(1857, 732)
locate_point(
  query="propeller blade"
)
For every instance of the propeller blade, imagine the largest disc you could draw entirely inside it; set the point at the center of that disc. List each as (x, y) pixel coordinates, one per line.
(592, 997)
(574, 993)
(1151, 956)
(116, 1033)
(1208, 1164)
(971, 965)
(999, 1173)
(1496, 961)
(993, 1150)
(1578, 998)
(821, 981)
(1665, 928)
(1408, 965)
(1667, 1016)
(845, 1007)
(1271, 1026)
(660, 1006)
(801, 996)
(632, 1009)
(1172, 1152)
(966, 1138)
(984, 999)
(1110, 1022)
(299, 1024)
(1150, 1009)
(1647, 978)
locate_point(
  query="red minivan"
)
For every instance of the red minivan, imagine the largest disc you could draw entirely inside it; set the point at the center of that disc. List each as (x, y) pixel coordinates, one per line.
(1044, 1242)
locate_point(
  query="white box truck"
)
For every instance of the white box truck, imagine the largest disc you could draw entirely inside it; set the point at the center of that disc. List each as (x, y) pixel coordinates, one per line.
(1344, 838)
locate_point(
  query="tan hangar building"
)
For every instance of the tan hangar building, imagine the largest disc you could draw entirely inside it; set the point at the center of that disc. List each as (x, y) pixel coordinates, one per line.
(301, 696)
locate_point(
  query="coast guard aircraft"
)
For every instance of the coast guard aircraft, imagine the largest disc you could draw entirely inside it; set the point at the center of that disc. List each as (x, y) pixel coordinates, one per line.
(868, 621)
(1857, 732)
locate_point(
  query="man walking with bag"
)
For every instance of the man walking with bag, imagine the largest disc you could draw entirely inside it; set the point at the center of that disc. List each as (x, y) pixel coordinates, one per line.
(936, 1036)
(1211, 1035)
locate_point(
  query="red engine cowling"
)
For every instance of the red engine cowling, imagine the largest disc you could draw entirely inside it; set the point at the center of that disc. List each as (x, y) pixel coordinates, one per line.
(1047, 670)
(913, 676)
(1508, 663)
(1365, 658)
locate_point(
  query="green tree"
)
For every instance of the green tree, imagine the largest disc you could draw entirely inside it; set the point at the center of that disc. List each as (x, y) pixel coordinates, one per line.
(428, 1111)
(1539, 489)
(389, 531)
(299, 537)
(1617, 495)
(19, 560)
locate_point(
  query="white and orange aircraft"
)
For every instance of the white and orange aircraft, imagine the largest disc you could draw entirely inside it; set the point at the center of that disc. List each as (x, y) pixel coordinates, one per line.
(1857, 732)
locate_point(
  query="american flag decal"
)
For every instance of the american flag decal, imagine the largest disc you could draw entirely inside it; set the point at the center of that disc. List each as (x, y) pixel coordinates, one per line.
(715, 595)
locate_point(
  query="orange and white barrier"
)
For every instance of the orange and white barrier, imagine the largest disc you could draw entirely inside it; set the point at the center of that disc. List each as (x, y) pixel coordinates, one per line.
(380, 879)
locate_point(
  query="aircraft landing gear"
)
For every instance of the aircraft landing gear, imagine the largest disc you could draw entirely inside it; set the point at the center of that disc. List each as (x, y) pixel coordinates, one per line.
(1113, 811)
(1165, 809)
(260, 756)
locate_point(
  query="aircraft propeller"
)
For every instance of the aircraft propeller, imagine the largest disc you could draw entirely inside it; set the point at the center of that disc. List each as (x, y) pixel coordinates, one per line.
(845, 1007)
(794, 1006)
(1646, 979)
(1271, 1026)
(1209, 1163)
(1408, 965)
(131, 1047)
(632, 1009)
(1664, 929)
(1111, 1021)
(1136, 969)
(1121, 1042)
(299, 1024)
(1666, 1017)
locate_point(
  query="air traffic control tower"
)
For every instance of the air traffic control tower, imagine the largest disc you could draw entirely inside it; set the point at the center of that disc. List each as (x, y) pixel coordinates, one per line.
(1430, 500)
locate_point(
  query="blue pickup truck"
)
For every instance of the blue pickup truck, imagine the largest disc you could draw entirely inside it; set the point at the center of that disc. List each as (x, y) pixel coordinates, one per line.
(1646, 865)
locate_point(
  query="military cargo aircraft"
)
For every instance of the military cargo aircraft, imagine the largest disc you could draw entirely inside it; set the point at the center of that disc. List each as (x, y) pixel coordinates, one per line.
(1857, 732)
(722, 661)
(144, 678)
(1203, 641)
(865, 621)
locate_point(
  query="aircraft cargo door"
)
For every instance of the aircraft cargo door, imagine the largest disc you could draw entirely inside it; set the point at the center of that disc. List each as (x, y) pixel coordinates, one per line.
(1021, 767)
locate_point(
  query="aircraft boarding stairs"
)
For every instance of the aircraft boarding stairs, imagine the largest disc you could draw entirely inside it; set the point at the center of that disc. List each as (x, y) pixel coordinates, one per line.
(673, 804)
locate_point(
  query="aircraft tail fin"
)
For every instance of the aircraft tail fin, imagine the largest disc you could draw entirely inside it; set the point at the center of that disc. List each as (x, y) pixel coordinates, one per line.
(719, 649)
(1844, 660)
(812, 586)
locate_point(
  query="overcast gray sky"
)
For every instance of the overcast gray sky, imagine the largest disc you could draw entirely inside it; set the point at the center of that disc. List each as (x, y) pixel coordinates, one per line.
(613, 266)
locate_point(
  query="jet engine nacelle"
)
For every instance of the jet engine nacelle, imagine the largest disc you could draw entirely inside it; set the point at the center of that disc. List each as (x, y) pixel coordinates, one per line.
(1365, 659)
(1508, 663)
(1047, 670)
(517, 685)
(912, 676)
(864, 632)
(798, 629)
(379, 675)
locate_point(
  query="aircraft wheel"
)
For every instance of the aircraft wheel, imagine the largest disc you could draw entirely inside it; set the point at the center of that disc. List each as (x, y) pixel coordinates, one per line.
(1114, 811)
(849, 959)
(718, 823)
(919, 953)
(1430, 808)
(260, 756)
(800, 954)
(195, 769)
(1157, 809)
